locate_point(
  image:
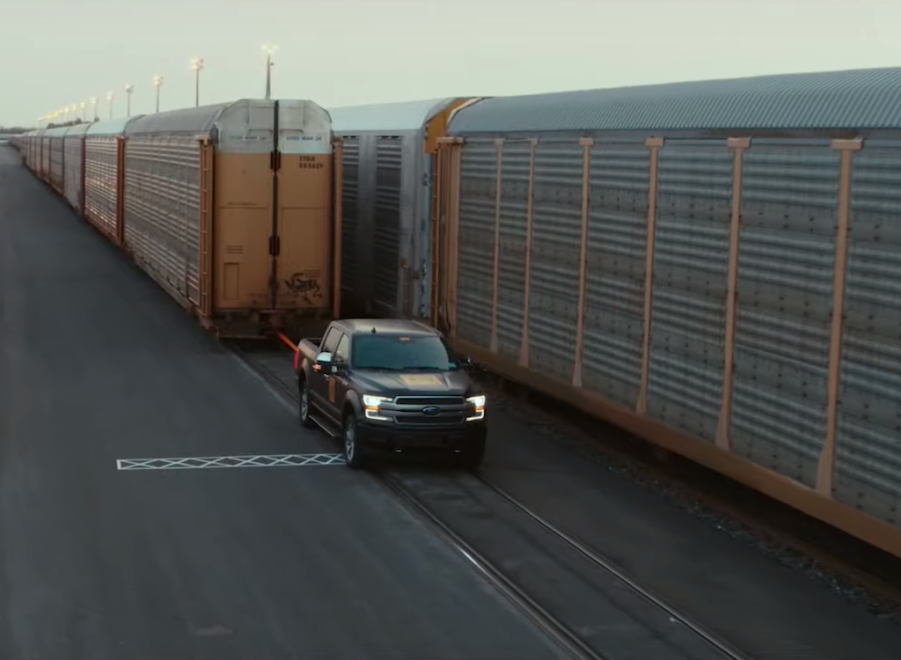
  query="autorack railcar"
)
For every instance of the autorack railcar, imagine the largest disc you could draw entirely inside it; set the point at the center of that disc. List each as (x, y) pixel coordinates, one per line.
(711, 265)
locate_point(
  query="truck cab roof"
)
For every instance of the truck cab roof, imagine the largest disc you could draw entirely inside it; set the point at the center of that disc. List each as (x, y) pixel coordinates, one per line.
(386, 326)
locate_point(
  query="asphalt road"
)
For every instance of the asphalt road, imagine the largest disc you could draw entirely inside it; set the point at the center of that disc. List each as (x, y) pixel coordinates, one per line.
(728, 585)
(98, 364)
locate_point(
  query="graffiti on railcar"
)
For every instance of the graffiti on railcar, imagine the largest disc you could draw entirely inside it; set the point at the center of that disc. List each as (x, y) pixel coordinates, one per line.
(305, 284)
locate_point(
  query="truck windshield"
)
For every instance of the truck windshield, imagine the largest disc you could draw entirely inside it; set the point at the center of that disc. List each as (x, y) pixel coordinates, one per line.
(399, 353)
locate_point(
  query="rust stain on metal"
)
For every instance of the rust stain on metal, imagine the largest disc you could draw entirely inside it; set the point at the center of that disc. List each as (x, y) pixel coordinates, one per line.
(499, 144)
(740, 145)
(826, 466)
(583, 262)
(527, 286)
(654, 144)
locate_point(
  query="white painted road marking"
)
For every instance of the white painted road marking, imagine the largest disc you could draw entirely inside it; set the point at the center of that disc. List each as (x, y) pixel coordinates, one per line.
(199, 462)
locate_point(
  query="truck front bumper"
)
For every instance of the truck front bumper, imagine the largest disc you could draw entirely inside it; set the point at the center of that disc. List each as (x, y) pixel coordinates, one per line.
(388, 438)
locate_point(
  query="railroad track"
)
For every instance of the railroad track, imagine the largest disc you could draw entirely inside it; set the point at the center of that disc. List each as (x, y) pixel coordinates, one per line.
(723, 647)
(574, 644)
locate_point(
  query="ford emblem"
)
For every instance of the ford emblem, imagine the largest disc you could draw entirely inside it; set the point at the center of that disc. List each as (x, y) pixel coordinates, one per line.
(431, 411)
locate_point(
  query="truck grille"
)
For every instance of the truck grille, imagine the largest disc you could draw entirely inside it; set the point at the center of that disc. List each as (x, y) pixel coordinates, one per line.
(429, 401)
(444, 419)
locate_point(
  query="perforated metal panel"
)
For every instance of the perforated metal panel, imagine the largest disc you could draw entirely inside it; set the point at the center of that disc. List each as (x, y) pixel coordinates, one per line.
(73, 177)
(387, 219)
(614, 295)
(556, 257)
(162, 211)
(691, 271)
(785, 279)
(478, 186)
(56, 162)
(512, 257)
(868, 450)
(350, 267)
(45, 156)
(101, 172)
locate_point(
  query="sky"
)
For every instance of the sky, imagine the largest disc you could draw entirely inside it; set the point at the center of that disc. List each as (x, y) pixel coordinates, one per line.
(55, 53)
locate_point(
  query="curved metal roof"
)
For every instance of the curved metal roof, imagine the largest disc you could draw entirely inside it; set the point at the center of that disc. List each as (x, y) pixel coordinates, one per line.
(110, 126)
(78, 129)
(185, 121)
(56, 131)
(858, 99)
(403, 116)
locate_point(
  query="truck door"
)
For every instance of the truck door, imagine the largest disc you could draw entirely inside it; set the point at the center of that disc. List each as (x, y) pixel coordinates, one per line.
(336, 384)
(319, 380)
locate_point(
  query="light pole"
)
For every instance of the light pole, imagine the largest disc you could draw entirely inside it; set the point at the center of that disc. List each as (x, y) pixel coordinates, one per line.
(129, 88)
(197, 65)
(270, 51)
(109, 97)
(83, 111)
(157, 84)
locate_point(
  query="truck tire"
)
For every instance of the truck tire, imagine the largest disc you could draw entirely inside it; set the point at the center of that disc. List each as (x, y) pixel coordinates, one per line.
(304, 406)
(353, 456)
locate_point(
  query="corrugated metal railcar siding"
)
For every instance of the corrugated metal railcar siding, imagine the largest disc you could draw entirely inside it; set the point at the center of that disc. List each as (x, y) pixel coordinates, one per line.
(614, 293)
(387, 221)
(350, 271)
(45, 157)
(691, 269)
(101, 170)
(162, 211)
(73, 147)
(868, 442)
(56, 162)
(785, 277)
(515, 167)
(478, 197)
(556, 257)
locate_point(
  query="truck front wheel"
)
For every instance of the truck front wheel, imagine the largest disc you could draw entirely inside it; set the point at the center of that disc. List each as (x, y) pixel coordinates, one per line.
(304, 405)
(353, 457)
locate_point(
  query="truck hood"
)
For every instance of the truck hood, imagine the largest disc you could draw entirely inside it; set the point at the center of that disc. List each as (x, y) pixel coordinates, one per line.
(387, 383)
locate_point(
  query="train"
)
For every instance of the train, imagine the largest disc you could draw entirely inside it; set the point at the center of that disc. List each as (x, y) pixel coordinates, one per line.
(388, 198)
(228, 207)
(714, 266)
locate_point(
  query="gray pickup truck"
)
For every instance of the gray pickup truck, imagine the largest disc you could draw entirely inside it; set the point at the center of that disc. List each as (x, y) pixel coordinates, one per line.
(391, 387)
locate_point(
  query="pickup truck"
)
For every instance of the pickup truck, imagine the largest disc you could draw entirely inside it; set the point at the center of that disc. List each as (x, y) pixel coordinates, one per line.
(391, 387)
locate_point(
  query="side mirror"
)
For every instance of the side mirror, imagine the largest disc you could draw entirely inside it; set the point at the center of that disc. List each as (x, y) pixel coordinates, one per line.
(465, 362)
(323, 362)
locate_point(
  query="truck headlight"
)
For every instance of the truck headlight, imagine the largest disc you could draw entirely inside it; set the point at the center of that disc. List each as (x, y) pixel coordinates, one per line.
(479, 403)
(371, 404)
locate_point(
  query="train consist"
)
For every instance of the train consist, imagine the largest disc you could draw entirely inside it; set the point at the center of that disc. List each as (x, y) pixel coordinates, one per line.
(714, 266)
(227, 207)
(389, 197)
